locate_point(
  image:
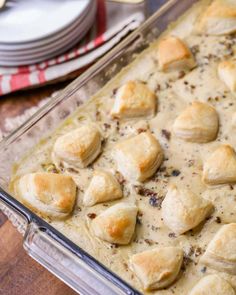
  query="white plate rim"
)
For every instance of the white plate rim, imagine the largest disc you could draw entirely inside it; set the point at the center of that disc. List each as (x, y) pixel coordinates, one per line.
(45, 57)
(72, 34)
(55, 31)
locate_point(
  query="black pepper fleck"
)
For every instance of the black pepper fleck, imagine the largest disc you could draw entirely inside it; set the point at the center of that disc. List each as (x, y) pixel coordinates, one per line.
(218, 219)
(114, 91)
(198, 251)
(118, 126)
(231, 187)
(172, 235)
(114, 246)
(175, 172)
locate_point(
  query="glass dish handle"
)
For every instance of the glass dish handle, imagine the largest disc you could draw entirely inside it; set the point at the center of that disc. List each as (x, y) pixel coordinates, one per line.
(65, 265)
(17, 219)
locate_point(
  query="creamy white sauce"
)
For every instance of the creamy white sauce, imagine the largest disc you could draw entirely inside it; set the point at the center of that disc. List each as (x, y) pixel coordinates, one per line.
(174, 94)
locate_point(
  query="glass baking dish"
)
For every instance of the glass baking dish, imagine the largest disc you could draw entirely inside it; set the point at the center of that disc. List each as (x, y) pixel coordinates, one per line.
(42, 242)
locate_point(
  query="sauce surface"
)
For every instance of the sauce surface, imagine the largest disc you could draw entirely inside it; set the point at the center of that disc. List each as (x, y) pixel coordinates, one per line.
(182, 164)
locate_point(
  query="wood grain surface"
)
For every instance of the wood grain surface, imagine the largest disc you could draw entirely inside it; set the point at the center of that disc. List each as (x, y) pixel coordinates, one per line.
(19, 274)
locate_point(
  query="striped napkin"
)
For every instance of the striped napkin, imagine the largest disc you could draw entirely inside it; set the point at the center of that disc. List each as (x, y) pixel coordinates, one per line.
(113, 21)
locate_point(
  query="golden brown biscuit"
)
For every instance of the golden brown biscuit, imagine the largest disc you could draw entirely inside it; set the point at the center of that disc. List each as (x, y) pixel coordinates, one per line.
(220, 167)
(218, 19)
(102, 188)
(221, 252)
(116, 224)
(197, 123)
(182, 210)
(227, 73)
(134, 99)
(173, 54)
(212, 285)
(77, 148)
(157, 268)
(50, 194)
(138, 157)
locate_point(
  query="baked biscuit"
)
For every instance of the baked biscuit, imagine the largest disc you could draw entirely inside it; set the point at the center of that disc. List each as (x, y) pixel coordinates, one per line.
(212, 285)
(50, 194)
(173, 54)
(220, 168)
(102, 188)
(77, 148)
(138, 157)
(134, 99)
(221, 251)
(116, 224)
(218, 19)
(227, 73)
(157, 268)
(182, 210)
(197, 123)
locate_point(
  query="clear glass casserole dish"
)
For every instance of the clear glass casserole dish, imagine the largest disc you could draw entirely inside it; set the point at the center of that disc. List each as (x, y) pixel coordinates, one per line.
(42, 242)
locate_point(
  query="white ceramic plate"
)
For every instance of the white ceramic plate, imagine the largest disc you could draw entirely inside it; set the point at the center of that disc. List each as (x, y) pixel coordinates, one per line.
(34, 45)
(57, 48)
(77, 33)
(31, 20)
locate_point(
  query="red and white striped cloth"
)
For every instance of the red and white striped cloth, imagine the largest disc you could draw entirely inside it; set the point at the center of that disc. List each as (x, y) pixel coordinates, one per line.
(113, 21)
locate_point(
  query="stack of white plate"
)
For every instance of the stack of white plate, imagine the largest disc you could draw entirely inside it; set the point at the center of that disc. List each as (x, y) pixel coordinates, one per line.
(32, 31)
